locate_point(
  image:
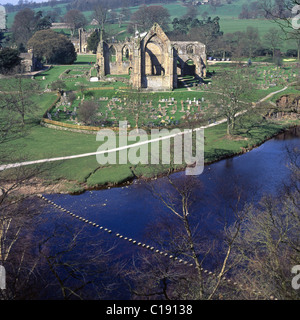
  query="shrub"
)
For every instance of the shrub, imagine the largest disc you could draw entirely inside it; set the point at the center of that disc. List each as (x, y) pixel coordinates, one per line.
(87, 112)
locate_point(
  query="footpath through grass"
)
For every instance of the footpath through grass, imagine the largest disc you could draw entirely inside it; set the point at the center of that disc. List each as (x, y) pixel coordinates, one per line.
(82, 173)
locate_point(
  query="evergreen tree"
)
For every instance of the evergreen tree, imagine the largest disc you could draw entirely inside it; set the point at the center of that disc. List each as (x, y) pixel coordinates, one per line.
(9, 59)
(93, 40)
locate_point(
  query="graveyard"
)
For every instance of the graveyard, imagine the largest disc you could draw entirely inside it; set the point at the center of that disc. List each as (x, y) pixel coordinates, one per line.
(139, 110)
(190, 103)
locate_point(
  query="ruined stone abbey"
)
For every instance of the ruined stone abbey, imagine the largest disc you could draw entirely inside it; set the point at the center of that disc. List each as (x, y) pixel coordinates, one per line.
(152, 60)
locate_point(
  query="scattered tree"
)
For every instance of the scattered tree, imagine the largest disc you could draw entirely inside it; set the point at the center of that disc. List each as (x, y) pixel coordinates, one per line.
(180, 235)
(58, 85)
(280, 13)
(232, 88)
(93, 41)
(18, 100)
(75, 19)
(272, 228)
(100, 14)
(26, 23)
(144, 18)
(251, 41)
(272, 39)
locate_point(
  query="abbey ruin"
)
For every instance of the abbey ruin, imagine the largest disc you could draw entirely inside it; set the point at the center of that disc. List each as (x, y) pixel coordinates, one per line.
(152, 60)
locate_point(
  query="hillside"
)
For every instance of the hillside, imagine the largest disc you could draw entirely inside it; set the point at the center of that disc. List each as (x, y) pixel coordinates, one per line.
(228, 13)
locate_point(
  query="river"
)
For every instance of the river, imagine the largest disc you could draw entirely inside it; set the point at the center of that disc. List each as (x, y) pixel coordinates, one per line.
(133, 210)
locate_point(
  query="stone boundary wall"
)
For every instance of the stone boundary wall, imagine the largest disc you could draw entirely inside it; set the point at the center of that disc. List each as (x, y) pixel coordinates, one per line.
(73, 127)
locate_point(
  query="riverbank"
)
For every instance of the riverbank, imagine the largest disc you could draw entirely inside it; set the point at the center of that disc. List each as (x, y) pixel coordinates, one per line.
(103, 177)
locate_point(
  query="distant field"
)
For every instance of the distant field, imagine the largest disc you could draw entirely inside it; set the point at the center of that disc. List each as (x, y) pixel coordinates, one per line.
(263, 26)
(11, 15)
(228, 19)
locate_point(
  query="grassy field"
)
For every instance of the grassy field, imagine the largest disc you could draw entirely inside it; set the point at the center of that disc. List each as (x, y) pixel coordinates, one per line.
(168, 108)
(228, 13)
(85, 172)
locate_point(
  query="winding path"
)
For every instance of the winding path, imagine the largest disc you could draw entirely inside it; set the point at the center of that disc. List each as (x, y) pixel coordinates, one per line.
(83, 155)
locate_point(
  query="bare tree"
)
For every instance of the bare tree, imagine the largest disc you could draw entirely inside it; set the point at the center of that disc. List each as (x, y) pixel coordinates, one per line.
(72, 273)
(268, 246)
(272, 38)
(75, 19)
(181, 237)
(232, 88)
(16, 100)
(100, 14)
(284, 15)
(87, 112)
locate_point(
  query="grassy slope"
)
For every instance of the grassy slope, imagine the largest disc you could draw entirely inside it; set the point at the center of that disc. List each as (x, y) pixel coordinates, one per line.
(228, 13)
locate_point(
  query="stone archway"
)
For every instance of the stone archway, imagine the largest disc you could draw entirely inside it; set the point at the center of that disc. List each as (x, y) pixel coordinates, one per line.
(190, 49)
(179, 67)
(157, 60)
(154, 59)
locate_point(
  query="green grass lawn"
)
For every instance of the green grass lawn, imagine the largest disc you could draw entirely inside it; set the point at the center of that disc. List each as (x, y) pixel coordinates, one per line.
(43, 142)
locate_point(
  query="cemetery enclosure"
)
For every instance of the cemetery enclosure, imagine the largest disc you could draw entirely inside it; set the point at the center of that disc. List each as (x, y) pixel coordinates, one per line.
(173, 108)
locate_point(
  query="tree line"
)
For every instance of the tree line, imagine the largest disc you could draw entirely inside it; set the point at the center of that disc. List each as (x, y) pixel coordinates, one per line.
(188, 27)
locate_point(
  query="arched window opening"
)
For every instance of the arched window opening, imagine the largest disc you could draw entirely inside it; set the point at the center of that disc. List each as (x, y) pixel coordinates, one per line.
(189, 68)
(125, 54)
(190, 49)
(112, 54)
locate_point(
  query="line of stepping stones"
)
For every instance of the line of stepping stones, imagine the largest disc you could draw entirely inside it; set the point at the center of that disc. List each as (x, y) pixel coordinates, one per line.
(143, 245)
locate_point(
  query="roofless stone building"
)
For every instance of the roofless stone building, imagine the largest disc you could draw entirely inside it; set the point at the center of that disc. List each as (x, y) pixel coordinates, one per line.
(152, 60)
